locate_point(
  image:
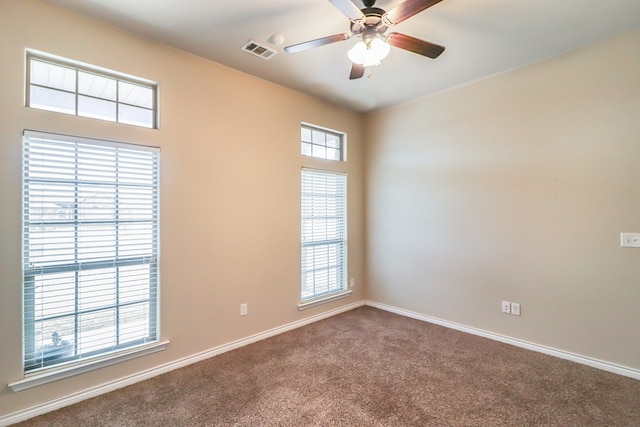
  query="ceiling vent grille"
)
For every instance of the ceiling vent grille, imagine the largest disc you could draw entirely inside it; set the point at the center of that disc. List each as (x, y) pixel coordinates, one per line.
(257, 49)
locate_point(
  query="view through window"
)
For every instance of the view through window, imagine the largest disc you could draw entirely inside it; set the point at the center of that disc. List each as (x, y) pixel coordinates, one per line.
(56, 85)
(321, 143)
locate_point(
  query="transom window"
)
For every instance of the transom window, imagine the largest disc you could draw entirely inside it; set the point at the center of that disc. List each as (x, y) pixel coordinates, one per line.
(324, 233)
(63, 87)
(90, 242)
(321, 143)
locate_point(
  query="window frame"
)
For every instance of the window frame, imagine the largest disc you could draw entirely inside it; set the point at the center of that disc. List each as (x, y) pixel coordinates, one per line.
(342, 240)
(101, 357)
(97, 71)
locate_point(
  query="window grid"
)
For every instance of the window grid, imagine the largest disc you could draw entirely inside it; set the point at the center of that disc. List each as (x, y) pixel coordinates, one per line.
(321, 143)
(55, 85)
(323, 234)
(90, 248)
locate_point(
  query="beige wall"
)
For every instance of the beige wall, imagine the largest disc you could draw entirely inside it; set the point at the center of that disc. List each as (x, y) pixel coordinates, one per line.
(230, 193)
(516, 188)
(512, 188)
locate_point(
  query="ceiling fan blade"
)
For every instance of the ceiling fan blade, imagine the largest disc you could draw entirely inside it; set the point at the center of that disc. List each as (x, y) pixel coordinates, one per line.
(300, 47)
(407, 9)
(349, 9)
(357, 71)
(415, 45)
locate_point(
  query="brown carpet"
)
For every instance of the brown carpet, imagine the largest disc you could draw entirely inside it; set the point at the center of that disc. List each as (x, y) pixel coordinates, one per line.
(368, 367)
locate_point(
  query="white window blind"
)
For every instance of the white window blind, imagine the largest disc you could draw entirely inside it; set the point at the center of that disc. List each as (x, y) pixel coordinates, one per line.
(64, 87)
(324, 233)
(90, 248)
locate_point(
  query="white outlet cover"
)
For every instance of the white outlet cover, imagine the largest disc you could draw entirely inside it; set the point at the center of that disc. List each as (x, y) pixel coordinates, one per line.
(630, 240)
(506, 307)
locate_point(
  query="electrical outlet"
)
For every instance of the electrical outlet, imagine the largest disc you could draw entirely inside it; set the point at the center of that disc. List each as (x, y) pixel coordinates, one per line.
(243, 309)
(352, 283)
(630, 240)
(506, 307)
(515, 309)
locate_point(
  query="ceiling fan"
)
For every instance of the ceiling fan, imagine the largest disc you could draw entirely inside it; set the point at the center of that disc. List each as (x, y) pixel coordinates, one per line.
(370, 25)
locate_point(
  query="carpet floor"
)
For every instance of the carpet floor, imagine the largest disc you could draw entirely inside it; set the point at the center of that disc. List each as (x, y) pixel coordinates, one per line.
(368, 367)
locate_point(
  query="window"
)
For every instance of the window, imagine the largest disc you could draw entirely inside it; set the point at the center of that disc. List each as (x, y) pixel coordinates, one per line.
(90, 248)
(321, 143)
(324, 233)
(67, 88)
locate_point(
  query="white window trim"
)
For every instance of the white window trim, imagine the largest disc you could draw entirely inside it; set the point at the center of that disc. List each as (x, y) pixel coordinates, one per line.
(40, 378)
(323, 300)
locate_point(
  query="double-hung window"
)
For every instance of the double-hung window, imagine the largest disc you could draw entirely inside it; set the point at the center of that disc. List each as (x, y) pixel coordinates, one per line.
(90, 248)
(323, 219)
(324, 234)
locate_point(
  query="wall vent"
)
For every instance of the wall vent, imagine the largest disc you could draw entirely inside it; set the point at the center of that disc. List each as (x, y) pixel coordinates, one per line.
(257, 49)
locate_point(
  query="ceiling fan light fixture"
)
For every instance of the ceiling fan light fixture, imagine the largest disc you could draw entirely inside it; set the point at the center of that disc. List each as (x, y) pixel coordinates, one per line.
(370, 26)
(369, 53)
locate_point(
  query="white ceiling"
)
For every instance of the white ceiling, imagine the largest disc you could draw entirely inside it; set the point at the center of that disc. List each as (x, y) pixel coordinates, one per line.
(481, 38)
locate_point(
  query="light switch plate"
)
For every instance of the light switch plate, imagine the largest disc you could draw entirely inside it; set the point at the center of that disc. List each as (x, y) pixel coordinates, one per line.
(630, 240)
(515, 309)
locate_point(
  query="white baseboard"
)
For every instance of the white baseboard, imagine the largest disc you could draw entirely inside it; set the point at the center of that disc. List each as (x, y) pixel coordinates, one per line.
(89, 393)
(584, 360)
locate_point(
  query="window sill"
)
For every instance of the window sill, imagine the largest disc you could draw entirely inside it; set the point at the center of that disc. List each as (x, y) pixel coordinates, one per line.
(80, 368)
(323, 300)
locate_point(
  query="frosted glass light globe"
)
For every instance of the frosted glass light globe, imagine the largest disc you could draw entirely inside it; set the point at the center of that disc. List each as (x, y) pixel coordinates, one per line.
(370, 54)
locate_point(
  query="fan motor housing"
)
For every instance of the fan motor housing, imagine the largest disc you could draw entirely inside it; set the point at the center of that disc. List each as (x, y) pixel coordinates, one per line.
(373, 19)
(373, 11)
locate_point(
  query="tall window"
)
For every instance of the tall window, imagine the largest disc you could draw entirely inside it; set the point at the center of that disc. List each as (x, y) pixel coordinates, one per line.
(61, 86)
(324, 233)
(90, 228)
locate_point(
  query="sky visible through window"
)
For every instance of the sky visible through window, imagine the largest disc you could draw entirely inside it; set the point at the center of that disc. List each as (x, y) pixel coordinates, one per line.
(66, 89)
